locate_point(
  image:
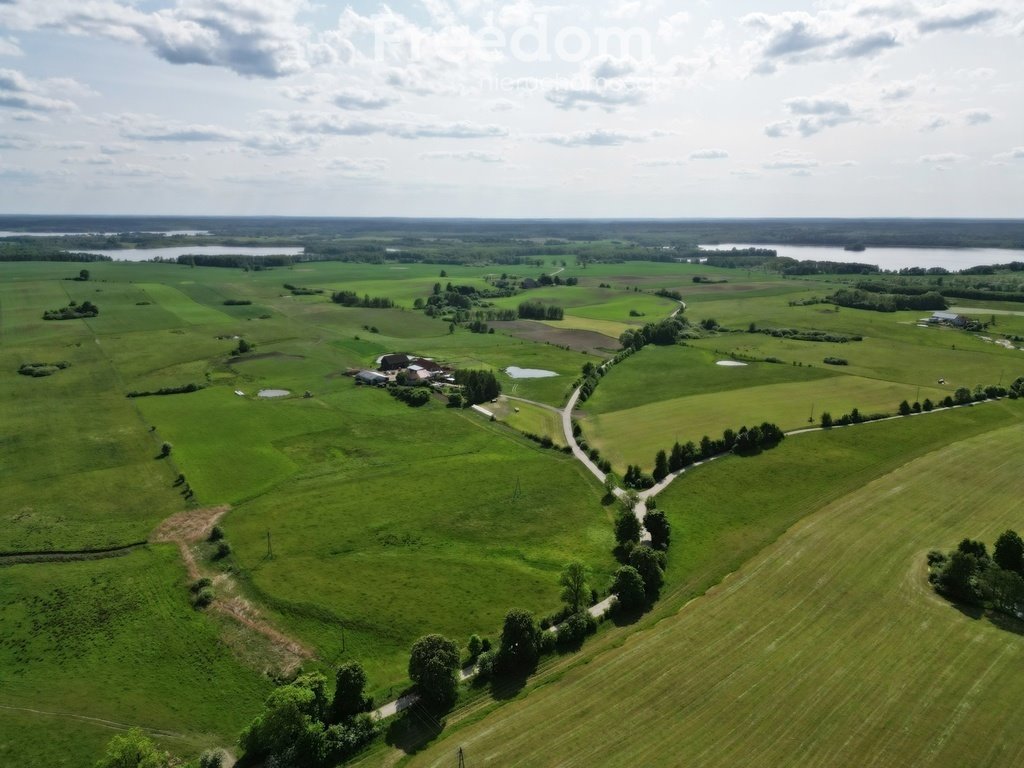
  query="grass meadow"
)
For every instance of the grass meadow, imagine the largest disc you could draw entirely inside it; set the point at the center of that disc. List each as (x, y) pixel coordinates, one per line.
(828, 647)
(389, 522)
(114, 640)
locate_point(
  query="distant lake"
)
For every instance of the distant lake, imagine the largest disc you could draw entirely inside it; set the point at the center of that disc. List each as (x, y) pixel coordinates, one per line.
(169, 232)
(952, 259)
(147, 254)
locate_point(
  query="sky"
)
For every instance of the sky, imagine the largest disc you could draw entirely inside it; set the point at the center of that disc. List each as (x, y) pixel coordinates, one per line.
(635, 108)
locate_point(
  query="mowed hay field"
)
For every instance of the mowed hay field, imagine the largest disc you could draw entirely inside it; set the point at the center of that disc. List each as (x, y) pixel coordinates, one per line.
(827, 649)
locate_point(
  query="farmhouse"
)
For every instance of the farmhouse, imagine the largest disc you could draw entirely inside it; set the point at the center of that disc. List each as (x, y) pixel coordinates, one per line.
(425, 364)
(372, 378)
(948, 318)
(415, 373)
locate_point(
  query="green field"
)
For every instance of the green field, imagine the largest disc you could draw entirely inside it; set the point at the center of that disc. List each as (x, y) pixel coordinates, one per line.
(384, 538)
(358, 524)
(114, 640)
(828, 648)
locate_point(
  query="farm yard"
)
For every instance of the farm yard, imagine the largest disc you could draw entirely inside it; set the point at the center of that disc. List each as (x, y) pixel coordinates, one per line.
(351, 523)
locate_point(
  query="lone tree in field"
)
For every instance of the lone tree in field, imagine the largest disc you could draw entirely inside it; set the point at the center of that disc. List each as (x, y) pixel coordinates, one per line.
(433, 666)
(1009, 552)
(165, 450)
(519, 646)
(83, 275)
(628, 588)
(627, 528)
(574, 585)
(348, 692)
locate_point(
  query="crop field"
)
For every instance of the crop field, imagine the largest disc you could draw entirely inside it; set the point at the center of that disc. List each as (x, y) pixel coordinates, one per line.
(827, 648)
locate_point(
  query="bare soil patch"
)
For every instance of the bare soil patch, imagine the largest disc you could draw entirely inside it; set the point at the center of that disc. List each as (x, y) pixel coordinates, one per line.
(189, 526)
(578, 341)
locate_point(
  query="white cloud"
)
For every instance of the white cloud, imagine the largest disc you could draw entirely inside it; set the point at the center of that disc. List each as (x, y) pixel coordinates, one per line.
(475, 156)
(23, 93)
(942, 158)
(255, 38)
(358, 98)
(600, 137)
(978, 117)
(709, 154)
(788, 160)
(934, 123)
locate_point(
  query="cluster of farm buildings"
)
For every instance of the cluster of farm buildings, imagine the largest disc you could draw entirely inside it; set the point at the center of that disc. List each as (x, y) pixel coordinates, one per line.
(406, 369)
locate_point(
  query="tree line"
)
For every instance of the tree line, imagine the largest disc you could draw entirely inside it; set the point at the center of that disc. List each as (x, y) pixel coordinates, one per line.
(352, 299)
(535, 310)
(887, 302)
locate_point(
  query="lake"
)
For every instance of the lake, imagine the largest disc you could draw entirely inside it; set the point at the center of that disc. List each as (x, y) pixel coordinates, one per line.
(952, 259)
(148, 254)
(169, 232)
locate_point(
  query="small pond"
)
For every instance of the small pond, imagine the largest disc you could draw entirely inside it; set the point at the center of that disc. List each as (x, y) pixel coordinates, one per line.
(528, 373)
(271, 393)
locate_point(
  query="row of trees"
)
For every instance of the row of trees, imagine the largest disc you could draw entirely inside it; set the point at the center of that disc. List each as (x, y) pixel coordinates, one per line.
(352, 299)
(962, 396)
(969, 575)
(535, 310)
(744, 442)
(887, 302)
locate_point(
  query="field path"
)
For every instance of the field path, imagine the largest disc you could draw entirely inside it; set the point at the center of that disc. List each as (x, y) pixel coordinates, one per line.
(193, 526)
(111, 724)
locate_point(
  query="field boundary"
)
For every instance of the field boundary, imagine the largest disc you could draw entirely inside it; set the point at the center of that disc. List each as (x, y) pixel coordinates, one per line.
(72, 555)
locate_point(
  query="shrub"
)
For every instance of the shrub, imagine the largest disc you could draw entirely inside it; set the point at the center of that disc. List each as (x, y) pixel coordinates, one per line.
(222, 551)
(547, 644)
(475, 647)
(200, 584)
(203, 598)
(836, 361)
(485, 666)
(211, 758)
(216, 533)
(575, 629)
(165, 449)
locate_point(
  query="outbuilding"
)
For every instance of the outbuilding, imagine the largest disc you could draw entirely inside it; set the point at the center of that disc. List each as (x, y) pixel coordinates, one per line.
(949, 318)
(372, 378)
(394, 362)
